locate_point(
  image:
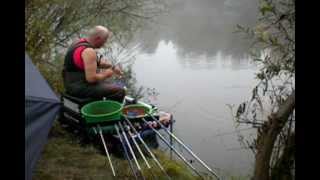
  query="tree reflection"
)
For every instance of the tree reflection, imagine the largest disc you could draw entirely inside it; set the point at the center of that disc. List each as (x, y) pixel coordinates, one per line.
(203, 27)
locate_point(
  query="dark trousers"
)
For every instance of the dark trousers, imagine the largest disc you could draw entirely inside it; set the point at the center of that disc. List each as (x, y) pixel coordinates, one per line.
(111, 91)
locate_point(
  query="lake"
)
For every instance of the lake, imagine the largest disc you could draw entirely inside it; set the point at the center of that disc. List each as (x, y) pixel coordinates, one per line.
(192, 58)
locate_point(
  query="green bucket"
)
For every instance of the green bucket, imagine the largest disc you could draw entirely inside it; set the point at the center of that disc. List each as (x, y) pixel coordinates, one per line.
(101, 111)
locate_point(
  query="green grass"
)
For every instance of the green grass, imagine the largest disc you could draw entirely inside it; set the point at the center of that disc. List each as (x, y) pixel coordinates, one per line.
(229, 175)
(63, 158)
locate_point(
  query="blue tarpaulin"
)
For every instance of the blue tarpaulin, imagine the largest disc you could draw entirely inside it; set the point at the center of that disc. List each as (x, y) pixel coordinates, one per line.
(41, 109)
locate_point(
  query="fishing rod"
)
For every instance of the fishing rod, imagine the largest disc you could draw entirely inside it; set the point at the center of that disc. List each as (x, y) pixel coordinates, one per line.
(123, 62)
(115, 63)
(187, 148)
(171, 130)
(126, 152)
(124, 58)
(147, 148)
(177, 152)
(128, 55)
(106, 149)
(138, 148)
(130, 148)
(136, 145)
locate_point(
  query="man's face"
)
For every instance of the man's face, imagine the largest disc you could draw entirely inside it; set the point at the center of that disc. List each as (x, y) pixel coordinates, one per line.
(101, 41)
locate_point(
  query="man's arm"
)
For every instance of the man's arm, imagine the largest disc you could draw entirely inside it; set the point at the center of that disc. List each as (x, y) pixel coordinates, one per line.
(90, 67)
(105, 64)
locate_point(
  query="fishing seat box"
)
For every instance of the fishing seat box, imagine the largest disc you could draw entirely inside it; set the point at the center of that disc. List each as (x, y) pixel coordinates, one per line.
(71, 109)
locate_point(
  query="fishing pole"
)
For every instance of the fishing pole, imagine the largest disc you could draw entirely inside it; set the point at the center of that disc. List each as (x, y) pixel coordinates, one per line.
(106, 149)
(187, 148)
(138, 148)
(130, 148)
(177, 152)
(147, 148)
(126, 152)
(171, 142)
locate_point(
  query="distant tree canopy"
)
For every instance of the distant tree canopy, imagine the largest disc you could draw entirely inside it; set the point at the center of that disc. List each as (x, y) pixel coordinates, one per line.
(50, 25)
(271, 108)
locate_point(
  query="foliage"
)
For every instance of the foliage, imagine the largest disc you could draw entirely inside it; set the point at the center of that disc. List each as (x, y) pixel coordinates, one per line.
(50, 26)
(273, 50)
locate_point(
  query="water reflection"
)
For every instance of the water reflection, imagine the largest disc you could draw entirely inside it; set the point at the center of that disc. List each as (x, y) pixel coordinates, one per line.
(196, 92)
(202, 27)
(192, 58)
(169, 51)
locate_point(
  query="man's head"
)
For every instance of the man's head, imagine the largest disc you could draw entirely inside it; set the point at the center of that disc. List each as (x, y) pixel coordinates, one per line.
(98, 36)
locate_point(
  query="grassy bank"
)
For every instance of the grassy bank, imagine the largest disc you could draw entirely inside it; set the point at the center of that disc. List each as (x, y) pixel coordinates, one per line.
(65, 158)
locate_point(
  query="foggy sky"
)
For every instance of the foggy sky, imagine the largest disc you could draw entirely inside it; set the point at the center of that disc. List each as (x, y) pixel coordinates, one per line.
(198, 27)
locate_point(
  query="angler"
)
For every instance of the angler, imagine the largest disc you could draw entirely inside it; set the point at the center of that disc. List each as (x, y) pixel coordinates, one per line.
(80, 76)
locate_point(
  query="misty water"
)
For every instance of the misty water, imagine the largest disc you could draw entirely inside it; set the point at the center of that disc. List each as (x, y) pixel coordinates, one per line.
(196, 63)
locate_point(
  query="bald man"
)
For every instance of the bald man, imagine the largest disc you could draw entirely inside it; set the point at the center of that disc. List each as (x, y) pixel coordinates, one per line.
(80, 75)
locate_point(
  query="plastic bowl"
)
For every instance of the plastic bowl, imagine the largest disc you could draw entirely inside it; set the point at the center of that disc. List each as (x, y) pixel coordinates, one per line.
(101, 111)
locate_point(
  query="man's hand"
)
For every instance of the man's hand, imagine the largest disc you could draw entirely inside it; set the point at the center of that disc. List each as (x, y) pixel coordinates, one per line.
(104, 63)
(107, 72)
(117, 70)
(90, 67)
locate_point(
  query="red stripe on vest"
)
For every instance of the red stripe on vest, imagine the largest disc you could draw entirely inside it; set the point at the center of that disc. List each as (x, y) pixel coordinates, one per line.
(77, 59)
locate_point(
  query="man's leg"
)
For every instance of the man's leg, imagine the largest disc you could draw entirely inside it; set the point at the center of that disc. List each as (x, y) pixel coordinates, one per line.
(97, 91)
(110, 91)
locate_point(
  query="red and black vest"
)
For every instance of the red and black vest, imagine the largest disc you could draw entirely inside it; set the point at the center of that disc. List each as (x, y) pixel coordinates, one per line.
(71, 71)
(69, 62)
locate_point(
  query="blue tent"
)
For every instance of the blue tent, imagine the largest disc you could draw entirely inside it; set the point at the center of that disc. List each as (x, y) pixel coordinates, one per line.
(41, 109)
